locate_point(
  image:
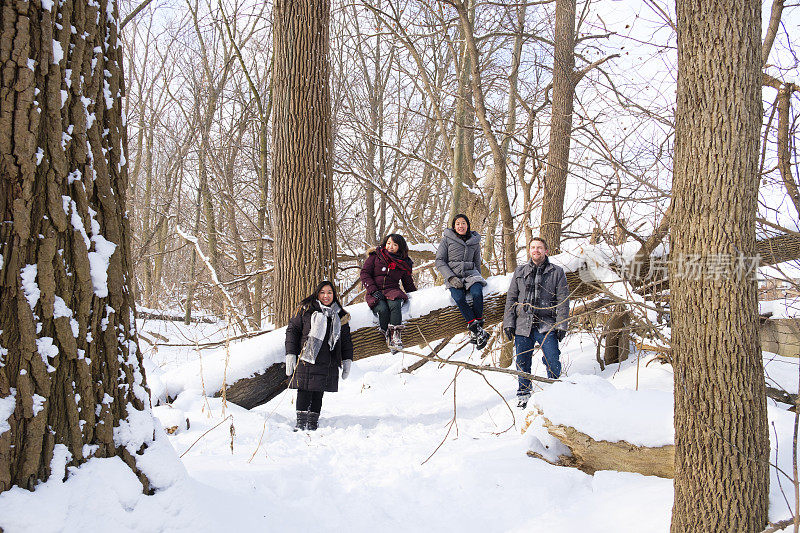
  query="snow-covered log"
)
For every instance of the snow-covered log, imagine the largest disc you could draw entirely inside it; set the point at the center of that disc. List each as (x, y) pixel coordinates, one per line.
(255, 366)
(154, 314)
(591, 455)
(781, 336)
(601, 427)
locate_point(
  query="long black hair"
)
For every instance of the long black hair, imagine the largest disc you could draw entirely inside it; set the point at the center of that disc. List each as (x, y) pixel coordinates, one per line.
(309, 300)
(402, 246)
(469, 227)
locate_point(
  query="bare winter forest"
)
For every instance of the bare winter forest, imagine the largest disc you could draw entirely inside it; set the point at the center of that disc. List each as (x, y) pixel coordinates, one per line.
(202, 160)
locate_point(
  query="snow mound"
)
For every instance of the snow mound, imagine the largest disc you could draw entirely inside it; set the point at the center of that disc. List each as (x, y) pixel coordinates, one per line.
(597, 408)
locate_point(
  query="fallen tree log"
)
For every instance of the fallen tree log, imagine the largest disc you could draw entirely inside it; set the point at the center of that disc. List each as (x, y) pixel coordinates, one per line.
(447, 321)
(781, 336)
(169, 317)
(589, 455)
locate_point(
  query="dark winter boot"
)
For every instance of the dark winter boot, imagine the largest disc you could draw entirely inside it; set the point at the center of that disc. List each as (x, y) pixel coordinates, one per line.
(302, 420)
(481, 335)
(395, 332)
(313, 421)
(473, 331)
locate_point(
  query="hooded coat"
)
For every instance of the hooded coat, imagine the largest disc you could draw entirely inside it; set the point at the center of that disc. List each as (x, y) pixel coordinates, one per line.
(384, 272)
(460, 258)
(323, 374)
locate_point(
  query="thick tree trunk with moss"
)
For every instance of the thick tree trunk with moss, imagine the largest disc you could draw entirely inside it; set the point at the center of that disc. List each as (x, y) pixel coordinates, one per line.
(721, 434)
(305, 224)
(70, 368)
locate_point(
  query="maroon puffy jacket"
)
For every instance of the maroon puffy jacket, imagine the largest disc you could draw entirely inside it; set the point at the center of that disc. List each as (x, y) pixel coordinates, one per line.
(382, 272)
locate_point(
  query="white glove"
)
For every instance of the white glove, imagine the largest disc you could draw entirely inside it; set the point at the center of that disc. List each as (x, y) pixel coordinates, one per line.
(291, 363)
(346, 368)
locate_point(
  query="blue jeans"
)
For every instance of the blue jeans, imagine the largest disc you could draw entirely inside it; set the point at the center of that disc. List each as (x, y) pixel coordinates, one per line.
(525, 346)
(460, 296)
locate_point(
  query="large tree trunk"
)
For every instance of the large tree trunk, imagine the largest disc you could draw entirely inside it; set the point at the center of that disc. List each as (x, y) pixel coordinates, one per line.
(721, 438)
(305, 224)
(555, 181)
(70, 368)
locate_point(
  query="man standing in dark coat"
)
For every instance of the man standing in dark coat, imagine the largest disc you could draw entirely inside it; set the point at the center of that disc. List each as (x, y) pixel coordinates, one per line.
(537, 312)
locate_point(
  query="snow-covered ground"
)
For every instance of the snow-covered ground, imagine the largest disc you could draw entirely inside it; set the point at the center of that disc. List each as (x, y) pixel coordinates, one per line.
(386, 456)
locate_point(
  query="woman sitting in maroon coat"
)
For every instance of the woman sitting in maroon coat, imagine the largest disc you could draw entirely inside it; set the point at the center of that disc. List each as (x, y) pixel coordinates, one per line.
(385, 267)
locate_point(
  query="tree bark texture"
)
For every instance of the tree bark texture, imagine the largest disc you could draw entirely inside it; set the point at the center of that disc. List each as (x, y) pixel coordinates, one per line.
(555, 181)
(721, 438)
(302, 192)
(70, 368)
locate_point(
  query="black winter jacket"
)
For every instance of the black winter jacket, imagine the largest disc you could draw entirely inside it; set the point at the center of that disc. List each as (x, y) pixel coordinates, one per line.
(323, 375)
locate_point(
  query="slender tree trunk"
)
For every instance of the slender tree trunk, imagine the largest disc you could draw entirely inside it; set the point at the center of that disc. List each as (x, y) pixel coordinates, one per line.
(555, 181)
(161, 250)
(784, 148)
(305, 222)
(258, 283)
(238, 249)
(148, 210)
(69, 358)
(464, 137)
(721, 434)
(205, 195)
(501, 183)
(193, 263)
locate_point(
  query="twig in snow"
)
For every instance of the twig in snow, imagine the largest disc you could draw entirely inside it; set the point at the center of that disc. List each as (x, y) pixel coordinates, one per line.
(777, 526)
(204, 434)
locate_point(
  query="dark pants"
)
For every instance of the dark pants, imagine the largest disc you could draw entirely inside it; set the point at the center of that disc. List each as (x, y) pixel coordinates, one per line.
(525, 346)
(389, 312)
(460, 296)
(308, 400)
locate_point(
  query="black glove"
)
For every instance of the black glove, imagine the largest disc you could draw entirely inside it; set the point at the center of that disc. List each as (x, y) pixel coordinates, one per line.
(560, 334)
(378, 295)
(509, 333)
(456, 283)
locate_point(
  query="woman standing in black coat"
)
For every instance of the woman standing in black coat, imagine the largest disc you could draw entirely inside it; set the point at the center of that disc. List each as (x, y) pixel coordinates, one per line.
(318, 342)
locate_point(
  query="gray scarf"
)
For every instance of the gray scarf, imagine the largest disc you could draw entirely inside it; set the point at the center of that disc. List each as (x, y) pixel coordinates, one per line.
(319, 325)
(533, 292)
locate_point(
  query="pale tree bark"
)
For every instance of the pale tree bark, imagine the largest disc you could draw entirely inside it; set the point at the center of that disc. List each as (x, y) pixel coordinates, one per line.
(721, 434)
(305, 223)
(69, 357)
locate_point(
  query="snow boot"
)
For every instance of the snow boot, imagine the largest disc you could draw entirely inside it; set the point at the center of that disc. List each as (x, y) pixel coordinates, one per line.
(522, 402)
(302, 420)
(473, 332)
(387, 335)
(313, 421)
(481, 336)
(396, 337)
